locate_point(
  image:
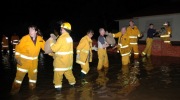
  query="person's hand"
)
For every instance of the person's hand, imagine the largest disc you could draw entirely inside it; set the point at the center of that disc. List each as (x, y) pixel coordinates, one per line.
(94, 48)
(18, 61)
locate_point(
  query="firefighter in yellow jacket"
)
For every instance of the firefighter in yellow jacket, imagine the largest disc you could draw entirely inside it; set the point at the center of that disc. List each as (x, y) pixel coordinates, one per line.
(5, 44)
(14, 41)
(102, 53)
(84, 54)
(26, 55)
(168, 32)
(123, 45)
(63, 57)
(133, 33)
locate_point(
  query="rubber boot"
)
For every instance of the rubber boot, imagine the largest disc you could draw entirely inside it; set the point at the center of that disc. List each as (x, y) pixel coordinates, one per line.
(83, 80)
(32, 86)
(15, 88)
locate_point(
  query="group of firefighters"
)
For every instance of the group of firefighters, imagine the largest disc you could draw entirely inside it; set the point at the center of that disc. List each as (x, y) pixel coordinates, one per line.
(28, 48)
(5, 43)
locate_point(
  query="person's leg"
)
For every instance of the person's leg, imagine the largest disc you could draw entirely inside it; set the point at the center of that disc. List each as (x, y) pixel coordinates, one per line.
(21, 72)
(84, 71)
(58, 77)
(70, 77)
(106, 60)
(100, 59)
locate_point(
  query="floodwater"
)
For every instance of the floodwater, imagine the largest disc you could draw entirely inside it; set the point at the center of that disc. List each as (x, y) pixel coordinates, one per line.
(154, 78)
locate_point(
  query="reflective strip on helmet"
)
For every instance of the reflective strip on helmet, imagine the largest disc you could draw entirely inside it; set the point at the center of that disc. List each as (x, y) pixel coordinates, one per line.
(125, 54)
(62, 69)
(136, 53)
(83, 72)
(58, 86)
(22, 70)
(17, 53)
(165, 35)
(35, 71)
(133, 43)
(132, 36)
(80, 62)
(26, 57)
(18, 81)
(51, 44)
(32, 81)
(69, 40)
(64, 53)
(5, 46)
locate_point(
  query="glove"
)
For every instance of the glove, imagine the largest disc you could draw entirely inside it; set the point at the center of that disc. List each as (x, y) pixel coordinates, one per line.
(94, 48)
(18, 61)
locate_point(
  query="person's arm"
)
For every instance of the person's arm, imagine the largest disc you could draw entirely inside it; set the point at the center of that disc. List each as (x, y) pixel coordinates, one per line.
(80, 45)
(116, 35)
(56, 46)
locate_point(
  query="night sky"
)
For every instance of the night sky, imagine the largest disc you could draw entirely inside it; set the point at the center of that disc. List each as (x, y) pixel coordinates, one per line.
(17, 15)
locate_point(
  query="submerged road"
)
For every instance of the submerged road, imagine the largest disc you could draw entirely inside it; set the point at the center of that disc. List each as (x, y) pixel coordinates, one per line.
(154, 78)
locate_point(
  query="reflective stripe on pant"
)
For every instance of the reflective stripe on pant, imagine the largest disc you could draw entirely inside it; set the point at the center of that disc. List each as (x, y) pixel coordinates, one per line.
(125, 60)
(166, 39)
(148, 48)
(58, 77)
(103, 59)
(135, 50)
(28, 66)
(85, 68)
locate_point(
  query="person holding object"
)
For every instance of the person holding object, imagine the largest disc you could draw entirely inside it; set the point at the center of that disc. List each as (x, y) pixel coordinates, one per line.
(63, 57)
(102, 53)
(149, 40)
(168, 33)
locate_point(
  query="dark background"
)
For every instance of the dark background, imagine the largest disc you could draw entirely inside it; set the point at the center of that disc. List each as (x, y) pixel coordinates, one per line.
(17, 15)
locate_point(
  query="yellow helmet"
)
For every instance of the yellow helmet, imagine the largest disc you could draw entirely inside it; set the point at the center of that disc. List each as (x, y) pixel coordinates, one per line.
(66, 25)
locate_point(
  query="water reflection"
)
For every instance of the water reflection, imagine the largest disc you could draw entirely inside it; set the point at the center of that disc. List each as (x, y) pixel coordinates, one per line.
(128, 79)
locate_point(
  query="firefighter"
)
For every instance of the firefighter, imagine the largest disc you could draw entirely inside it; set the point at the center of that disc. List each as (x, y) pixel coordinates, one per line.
(123, 45)
(26, 55)
(133, 33)
(102, 53)
(149, 40)
(5, 44)
(14, 41)
(168, 32)
(63, 57)
(84, 54)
